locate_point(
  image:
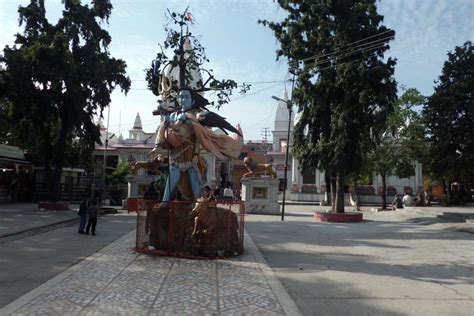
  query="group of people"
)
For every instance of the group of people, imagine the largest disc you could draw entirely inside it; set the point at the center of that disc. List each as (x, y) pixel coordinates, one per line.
(422, 199)
(89, 211)
(227, 194)
(153, 194)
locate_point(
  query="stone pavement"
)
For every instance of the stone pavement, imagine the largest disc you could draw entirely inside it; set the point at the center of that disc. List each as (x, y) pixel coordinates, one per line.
(116, 280)
(405, 262)
(20, 217)
(394, 263)
(29, 260)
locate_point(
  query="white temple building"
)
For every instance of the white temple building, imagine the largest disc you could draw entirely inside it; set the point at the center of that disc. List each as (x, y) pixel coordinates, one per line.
(303, 185)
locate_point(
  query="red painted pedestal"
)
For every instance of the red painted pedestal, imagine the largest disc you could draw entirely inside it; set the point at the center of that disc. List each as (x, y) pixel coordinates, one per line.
(132, 205)
(338, 217)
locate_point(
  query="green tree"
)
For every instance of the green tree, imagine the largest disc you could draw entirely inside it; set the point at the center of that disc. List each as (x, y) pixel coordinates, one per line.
(344, 86)
(402, 143)
(387, 159)
(450, 119)
(79, 153)
(119, 175)
(408, 123)
(57, 77)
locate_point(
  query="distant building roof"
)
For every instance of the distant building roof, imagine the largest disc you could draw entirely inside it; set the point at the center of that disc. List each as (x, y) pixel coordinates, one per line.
(13, 152)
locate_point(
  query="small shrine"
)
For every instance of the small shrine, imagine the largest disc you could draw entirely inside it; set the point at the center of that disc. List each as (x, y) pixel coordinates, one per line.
(260, 195)
(260, 188)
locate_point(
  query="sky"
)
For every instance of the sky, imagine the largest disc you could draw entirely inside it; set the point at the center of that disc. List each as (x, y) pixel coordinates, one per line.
(241, 49)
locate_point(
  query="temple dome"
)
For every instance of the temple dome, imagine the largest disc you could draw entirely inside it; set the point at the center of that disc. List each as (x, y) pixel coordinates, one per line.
(100, 123)
(282, 110)
(282, 115)
(138, 122)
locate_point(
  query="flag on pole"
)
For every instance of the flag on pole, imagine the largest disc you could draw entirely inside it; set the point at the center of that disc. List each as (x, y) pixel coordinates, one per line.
(189, 17)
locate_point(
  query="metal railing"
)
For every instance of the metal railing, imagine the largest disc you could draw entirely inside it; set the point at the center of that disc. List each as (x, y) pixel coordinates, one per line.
(176, 231)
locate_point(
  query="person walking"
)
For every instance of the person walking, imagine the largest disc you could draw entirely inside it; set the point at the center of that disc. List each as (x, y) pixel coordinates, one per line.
(83, 215)
(92, 212)
(94, 195)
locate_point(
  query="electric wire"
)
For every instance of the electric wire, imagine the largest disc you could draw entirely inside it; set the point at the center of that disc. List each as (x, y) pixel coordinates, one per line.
(428, 27)
(310, 67)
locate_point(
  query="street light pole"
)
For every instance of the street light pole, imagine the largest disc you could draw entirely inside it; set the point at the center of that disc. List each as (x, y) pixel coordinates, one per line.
(290, 110)
(289, 105)
(105, 151)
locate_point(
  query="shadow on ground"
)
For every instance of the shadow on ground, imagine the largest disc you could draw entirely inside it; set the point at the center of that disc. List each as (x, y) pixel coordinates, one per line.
(321, 263)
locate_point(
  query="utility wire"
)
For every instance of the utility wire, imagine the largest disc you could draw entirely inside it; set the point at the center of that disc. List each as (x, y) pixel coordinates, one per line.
(338, 49)
(342, 51)
(363, 50)
(378, 42)
(310, 67)
(258, 91)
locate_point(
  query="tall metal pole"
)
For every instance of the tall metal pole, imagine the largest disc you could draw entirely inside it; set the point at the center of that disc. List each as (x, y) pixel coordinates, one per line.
(285, 181)
(105, 151)
(289, 105)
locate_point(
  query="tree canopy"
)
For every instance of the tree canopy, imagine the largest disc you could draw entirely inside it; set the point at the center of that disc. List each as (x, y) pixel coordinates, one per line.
(450, 118)
(344, 86)
(56, 77)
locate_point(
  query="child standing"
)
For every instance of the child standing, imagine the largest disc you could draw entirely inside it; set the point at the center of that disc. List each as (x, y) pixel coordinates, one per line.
(83, 215)
(93, 212)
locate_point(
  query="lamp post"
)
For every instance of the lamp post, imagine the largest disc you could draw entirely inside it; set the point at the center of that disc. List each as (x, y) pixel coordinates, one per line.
(289, 105)
(105, 153)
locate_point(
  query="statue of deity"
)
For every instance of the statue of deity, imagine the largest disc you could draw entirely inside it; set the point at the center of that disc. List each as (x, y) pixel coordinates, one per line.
(184, 135)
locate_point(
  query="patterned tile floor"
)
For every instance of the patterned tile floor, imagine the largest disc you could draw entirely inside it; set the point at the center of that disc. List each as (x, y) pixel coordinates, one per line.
(118, 281)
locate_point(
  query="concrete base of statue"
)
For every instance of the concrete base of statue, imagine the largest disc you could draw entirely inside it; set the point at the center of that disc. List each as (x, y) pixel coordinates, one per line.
(260, 195)
(173, 230)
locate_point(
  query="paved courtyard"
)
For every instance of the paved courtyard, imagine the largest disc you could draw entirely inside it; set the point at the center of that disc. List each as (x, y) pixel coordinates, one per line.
(116, 280)
(393, 263)
(406, 262)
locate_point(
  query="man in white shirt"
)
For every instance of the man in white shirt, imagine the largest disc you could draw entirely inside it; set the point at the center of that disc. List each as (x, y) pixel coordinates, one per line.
(407, 200)
(228, 193)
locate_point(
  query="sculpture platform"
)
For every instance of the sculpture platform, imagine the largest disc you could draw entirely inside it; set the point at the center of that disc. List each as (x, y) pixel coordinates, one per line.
(260, 195)
(180, 230)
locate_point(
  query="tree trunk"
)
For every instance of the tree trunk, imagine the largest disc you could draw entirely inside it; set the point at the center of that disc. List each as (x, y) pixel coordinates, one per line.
(384, 191)
(47, 150)
(449, 195)
(340, 193)
(55, 193)
(445, 187)
(333, 191)
(357, 195)
(327, 180)
(47, 172)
